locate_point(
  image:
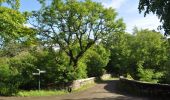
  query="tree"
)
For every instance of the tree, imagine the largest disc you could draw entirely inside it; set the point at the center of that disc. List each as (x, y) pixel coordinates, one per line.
(158, 7)
(96, 60)
(166, 78)
(12, 29)
(117, 43)
(76, 24)
(9, 78)
(148, 55)
(13, 3)
(11, 22)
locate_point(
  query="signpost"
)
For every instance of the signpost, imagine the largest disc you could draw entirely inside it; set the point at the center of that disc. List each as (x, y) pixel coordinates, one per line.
(38, 74)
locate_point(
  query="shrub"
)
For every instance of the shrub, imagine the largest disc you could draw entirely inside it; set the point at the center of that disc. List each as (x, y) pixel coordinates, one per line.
(81, 71)
(149, 75)
(9, 78)
(24, 63)
(96, 60)
(166, 77)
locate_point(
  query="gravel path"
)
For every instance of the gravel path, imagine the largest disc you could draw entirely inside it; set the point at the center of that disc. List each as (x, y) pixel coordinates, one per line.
(101, 91)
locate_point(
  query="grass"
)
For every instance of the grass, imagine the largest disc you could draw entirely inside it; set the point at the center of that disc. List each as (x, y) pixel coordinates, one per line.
(51, 92)
(87, 86)
(112, 78)
(57, 92)
(41, 93)
(107, 79)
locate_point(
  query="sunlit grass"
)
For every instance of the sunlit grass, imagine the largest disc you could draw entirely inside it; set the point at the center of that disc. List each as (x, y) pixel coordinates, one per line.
(41, 93)
(52, 92)
(87, 86)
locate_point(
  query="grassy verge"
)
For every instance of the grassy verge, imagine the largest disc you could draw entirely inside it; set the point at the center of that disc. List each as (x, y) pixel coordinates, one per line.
(87, 86)
(112, 78)
(51, 92)
(41, 93)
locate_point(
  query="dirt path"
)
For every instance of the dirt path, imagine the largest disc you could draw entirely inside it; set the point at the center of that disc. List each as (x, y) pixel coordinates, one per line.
(102, 91)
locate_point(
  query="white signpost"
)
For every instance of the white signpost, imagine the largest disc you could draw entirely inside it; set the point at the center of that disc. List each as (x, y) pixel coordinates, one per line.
(38, 74)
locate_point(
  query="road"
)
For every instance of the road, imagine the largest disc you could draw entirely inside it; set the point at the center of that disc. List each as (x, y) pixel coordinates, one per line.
(102, 91)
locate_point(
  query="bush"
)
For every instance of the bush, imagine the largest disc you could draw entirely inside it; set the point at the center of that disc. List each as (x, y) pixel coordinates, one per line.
(81, 72)
(58, 70)
(166, 77)
(66, 72)
(9, 78)
(24, 63)
(149, 75)
(96, 60)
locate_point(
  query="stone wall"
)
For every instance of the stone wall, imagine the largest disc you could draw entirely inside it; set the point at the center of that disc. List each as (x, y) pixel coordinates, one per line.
(81, 82)
(145, 88)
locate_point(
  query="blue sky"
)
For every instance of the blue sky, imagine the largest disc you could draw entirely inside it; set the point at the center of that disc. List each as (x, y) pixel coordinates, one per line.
(127, 9)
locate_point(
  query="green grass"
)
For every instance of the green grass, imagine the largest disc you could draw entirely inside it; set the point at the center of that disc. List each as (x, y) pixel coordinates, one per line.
(103, 80)
(112, 78)
(87, 86)
(51, 92)
(41, 93)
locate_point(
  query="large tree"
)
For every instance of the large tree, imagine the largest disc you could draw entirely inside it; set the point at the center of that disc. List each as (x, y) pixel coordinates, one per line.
(76, 25)
(148, 55)
(159, 7)
(13, 3)
(12, 29)
(120, 52)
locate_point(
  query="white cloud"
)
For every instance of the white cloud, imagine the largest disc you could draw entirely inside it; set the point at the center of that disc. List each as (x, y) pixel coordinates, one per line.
(149, 22)
(112, 3)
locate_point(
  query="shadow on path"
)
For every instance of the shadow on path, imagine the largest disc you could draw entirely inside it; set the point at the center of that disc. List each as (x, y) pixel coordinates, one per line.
(105, 90)
(109, 98)
(111, 87)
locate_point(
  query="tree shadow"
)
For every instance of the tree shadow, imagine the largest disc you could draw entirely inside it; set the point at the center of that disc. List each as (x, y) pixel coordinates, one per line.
(109, 98)
(111, 86)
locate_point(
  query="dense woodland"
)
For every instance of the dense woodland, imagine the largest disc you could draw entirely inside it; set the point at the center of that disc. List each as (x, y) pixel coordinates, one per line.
(73, 40)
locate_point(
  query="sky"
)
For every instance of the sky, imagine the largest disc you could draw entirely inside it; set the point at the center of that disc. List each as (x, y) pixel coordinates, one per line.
(126, 9)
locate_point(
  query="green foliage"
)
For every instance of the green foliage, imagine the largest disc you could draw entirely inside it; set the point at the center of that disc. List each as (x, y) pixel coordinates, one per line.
(16, 65)
(166, 78)
(148, 75)
(24, 63)
(15, 4)
(142, 55)
(56, 64)
(81, 72)
(119, 48)
(66, 71)
(12, 29)
(96, 59)
(9, 78)
(74, 23)
(11, 24)
(52, 92)
(150, 47)
(158, 7)
(90, 40)
(148, 52)
(40, 93)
